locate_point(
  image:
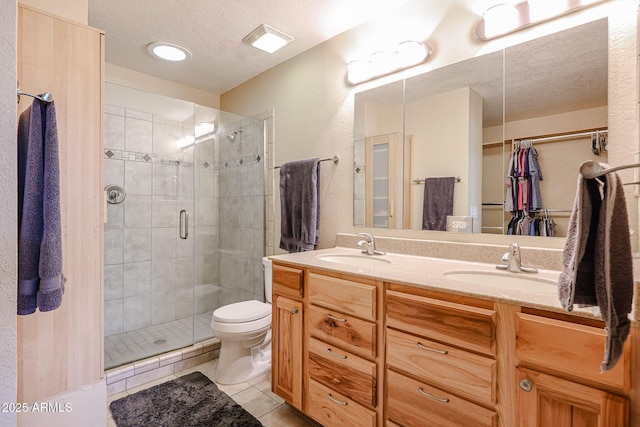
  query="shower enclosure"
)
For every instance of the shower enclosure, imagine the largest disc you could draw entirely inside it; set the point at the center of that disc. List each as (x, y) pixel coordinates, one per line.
(185, 220)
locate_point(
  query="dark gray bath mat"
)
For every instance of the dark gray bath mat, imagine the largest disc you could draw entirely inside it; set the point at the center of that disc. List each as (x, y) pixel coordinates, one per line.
(189, 401)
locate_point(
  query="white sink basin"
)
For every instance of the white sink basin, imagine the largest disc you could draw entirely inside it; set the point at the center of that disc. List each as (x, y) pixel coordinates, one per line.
(356, 260)
(510, 281)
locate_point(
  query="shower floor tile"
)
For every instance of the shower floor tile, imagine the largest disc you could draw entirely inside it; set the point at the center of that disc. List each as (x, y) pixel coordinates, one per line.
(127, 347)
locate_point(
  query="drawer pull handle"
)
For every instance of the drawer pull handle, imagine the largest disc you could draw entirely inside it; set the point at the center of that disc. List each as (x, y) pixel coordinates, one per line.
(341, 356)
(335, 400)
(435, 350)
(431, 396)
(338, 319)
(294, 310)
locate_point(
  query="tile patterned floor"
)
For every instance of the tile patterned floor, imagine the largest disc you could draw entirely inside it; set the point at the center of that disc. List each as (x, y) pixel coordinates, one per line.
(254, 396)
(142, 343)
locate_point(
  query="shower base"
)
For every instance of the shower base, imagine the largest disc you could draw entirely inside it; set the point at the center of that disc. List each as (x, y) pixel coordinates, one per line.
(127, 347)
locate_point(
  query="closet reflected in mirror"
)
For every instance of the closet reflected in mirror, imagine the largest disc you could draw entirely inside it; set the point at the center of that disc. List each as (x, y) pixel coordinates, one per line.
(466, 120)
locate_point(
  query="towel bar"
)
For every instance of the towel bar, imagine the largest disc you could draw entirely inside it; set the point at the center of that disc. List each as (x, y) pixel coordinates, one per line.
(335, 159)
(421, 181)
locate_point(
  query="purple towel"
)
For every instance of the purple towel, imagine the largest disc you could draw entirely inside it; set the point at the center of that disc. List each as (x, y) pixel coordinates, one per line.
(40, 278)
(437, 202)
(300, 205)
(597, 259)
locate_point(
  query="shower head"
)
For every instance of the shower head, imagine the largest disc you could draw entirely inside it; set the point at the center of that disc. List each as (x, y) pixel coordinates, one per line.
(232, 136)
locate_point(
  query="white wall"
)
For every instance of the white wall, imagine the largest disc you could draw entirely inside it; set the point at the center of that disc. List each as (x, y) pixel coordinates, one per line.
(314, 106)
(8, 214)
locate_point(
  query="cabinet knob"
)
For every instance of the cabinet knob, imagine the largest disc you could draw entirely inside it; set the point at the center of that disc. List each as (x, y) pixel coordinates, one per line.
(294, 310)
(526, 384)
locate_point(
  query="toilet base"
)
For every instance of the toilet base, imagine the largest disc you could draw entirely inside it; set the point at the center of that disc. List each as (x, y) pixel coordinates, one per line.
(239, 363)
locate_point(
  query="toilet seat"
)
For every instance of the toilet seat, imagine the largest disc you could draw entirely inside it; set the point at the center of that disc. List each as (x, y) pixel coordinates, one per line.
(242, 312)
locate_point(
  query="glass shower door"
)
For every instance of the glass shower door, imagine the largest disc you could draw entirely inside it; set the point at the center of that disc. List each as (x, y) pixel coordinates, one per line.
(148, 152)
(189, 235)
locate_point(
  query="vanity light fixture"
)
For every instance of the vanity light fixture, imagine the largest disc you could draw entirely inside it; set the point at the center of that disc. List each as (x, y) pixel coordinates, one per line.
(380, 63)
(505, 18)
(500, 19)
(168, 51)
(267, 38)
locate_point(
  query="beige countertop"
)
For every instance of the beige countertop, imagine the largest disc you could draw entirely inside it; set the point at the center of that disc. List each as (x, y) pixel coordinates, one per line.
(432, 273)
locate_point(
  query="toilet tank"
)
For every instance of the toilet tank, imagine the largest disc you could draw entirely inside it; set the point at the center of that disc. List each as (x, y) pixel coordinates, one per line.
(266, 266)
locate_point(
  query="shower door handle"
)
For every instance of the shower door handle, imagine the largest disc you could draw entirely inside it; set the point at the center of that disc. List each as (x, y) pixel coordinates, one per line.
(184, 224)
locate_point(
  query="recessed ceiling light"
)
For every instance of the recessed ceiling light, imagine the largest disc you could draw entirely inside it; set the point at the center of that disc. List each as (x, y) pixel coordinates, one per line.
(267, 38)
(168, 51)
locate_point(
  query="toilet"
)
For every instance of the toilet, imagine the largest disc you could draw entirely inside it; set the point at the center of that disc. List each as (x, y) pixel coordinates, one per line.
(244, 331)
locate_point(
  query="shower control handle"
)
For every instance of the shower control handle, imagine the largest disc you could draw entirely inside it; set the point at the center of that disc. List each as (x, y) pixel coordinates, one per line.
(184, 224)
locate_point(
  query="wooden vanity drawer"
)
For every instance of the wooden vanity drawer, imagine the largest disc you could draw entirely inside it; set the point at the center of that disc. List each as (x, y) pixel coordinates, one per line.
(344, 372)
(413, 403)
(347, 296)
(331, 408)
(353, 334)
(567, 348)
(467, 374)
(461, 325)
(287, 281)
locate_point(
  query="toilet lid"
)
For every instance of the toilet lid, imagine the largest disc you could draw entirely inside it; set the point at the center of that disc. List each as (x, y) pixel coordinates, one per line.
(240, 312)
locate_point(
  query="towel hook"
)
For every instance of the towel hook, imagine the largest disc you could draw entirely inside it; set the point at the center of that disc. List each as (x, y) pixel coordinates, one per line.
(45, 97)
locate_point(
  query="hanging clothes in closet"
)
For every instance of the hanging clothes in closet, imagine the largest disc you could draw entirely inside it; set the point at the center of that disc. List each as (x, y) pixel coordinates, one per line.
(523, 198)
(532, 224)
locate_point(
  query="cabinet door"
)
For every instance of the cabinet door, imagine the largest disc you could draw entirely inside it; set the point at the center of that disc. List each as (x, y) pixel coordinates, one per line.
(286, 353)
(63, 349)
(545, 400)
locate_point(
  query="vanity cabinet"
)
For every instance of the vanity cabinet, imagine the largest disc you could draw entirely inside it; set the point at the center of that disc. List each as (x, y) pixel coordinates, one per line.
(342, 351)
(441, 359)
(287, 334)
(558, 374)
(352, 350)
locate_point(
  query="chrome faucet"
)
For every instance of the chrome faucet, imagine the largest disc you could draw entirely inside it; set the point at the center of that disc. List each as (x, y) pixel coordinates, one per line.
(514, 261)
(368, 245)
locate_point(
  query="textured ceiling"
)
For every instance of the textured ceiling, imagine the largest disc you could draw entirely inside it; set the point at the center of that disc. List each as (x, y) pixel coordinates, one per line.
(560, 72)
(213, 29)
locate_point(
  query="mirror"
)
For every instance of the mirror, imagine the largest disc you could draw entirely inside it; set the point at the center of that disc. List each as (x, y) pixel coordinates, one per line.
(465, 120)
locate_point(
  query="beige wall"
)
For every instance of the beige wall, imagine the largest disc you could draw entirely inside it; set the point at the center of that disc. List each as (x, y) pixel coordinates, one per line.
(137, 80)
(8, 214)
(446, 128)
(314, 106)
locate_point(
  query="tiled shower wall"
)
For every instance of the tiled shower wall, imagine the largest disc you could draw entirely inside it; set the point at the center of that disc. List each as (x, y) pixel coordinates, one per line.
(149, 271)
(242, 224)
(151, 275)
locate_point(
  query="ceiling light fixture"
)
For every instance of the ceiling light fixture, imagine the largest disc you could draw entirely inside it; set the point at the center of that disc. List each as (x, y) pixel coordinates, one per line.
(505, 18)
(267, 38)
(168, 51)
(407, 54)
